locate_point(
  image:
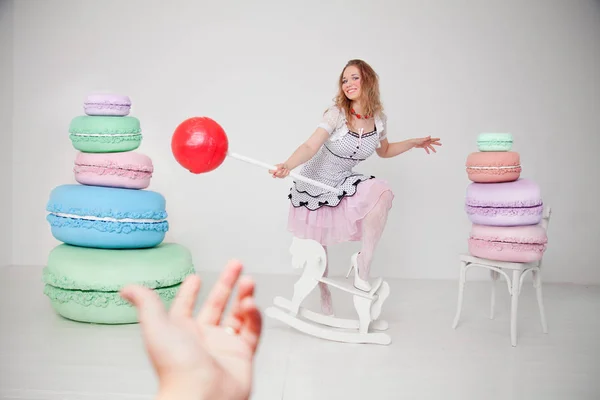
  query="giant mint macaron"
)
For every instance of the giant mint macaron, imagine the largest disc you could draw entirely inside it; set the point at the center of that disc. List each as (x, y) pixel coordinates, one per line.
(508, 243)
(495, 166)
(105, 134)
(494, 142)
(107, 104)
(83, 284)
(128, 170)
(108, 218)
(504, 204)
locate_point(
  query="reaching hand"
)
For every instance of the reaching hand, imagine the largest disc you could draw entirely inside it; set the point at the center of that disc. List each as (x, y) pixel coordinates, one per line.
(201, 357)
(281, 172)
(427, 143)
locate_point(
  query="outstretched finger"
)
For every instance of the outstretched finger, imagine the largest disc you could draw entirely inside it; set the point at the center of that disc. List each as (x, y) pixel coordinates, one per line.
(432, 149)
(235, 318)
(219, 295)
(183, 305)
(251, 323)
(151, 311)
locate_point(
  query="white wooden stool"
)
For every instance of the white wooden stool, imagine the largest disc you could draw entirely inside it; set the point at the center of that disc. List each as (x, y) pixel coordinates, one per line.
(519, 271)
(311, 257)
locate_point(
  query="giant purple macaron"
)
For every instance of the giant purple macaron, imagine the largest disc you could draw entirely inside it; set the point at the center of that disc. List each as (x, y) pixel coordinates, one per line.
(514, 203)
(107, 104)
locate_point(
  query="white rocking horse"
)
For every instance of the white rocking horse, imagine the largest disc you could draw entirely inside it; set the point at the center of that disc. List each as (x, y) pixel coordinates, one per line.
(311, 256)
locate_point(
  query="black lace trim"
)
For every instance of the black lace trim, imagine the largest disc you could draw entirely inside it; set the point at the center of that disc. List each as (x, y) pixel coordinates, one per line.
(326, 192)
(374, 131)
(326, 203)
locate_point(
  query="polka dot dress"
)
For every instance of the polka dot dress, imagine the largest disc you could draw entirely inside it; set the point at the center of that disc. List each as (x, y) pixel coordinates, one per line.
(333, 165)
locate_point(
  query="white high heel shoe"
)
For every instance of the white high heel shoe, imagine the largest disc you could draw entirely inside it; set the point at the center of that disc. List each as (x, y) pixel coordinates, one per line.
(360, 284)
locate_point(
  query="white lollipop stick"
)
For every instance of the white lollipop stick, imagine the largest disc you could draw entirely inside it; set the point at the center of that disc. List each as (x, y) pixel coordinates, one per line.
(292, 174)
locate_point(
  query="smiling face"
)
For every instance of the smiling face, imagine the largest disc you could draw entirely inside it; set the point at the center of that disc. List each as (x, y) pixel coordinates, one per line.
(351, 82)
(358, 86)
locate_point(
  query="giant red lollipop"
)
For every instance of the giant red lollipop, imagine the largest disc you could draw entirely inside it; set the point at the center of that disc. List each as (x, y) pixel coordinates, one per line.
(200, 145)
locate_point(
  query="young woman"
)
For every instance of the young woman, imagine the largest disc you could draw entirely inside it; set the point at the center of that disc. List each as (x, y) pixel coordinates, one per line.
(351, 130)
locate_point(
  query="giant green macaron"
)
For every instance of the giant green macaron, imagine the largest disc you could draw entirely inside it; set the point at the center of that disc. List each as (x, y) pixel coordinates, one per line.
(105, 134)
(494, 142)
(83, 283)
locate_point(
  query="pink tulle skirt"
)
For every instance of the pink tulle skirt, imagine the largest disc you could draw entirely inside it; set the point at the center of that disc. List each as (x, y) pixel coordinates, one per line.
(343, 223)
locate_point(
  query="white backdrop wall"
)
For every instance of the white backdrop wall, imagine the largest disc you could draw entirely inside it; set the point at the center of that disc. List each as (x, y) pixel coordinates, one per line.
(266, 70)
(6, 131)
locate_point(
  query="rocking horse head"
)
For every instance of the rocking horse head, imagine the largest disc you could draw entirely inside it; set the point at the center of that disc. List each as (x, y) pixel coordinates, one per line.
(306, 251)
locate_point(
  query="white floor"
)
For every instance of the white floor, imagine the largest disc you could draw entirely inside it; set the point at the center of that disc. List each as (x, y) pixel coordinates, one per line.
(43, 356)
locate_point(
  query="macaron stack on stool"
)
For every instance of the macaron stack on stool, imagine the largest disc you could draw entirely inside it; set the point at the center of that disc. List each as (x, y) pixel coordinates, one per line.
(508, 223)
(112, 228)
(504, 208)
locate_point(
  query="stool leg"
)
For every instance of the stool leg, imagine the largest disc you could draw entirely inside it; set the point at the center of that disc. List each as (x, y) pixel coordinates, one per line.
(515, 284)
(537, 284)
(494, 276)
(461, 287)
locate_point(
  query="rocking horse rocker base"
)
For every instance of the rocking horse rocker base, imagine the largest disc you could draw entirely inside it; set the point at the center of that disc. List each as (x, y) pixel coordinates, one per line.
(310, 255)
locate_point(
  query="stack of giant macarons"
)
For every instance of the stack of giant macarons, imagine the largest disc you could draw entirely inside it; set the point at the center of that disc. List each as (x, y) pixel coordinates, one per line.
(504, 208)
(111, 227)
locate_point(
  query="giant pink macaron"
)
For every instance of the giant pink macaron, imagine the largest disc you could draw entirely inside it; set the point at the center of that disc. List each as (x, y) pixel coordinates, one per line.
(128, 170)
(504, 204)
(107, 104)
(494, 166)
(508, 243)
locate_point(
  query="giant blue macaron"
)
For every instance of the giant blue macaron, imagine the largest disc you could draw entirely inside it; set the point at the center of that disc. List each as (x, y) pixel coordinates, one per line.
(106, 217)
